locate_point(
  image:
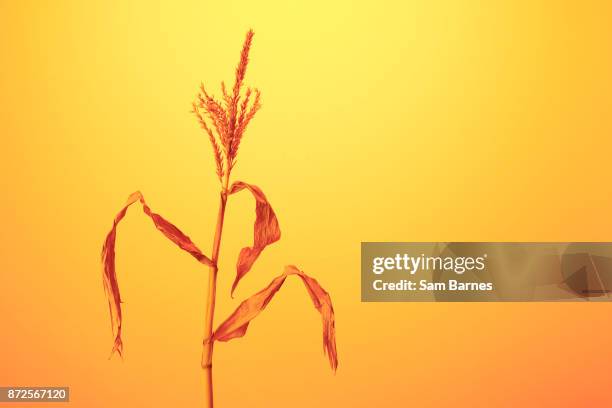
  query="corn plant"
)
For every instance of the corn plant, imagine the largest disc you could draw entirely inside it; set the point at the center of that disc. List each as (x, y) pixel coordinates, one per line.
(224, 122)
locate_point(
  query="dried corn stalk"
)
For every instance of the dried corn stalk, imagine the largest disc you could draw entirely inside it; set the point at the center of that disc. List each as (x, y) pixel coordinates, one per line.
(224, 122)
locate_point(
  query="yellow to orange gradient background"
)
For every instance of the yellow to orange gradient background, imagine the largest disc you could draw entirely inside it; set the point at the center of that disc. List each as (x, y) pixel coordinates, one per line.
(382, 121)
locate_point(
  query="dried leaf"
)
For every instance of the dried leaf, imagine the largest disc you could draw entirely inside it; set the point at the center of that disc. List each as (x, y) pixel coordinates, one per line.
(108, 260)
(237, 323)
(266, 230)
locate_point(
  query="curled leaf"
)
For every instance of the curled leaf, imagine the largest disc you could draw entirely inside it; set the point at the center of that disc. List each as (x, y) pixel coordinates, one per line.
(266, 230)
(237, 323)
(109, 276)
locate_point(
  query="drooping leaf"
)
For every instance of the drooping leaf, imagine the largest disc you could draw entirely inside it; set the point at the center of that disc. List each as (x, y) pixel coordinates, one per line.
(237, 323)
(109, 276)
(266, 230)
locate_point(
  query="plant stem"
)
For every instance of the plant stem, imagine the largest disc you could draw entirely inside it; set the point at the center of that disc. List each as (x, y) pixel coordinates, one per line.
(207, 352)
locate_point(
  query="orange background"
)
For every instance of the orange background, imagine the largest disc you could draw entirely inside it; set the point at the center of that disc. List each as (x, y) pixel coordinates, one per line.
(382, 121)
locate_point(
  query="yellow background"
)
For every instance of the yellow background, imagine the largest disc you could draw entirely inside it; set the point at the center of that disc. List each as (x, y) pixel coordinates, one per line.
(382, 121)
